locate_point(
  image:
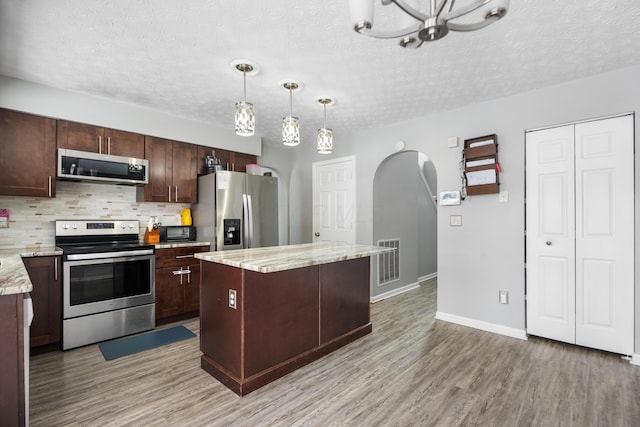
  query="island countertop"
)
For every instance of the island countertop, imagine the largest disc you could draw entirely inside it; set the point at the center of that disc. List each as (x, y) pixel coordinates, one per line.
(280, 258)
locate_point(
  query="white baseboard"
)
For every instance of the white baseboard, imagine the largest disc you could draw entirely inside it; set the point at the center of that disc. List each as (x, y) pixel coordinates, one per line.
(484, 326)
(427, 277)
(395, 292)
(635, 359)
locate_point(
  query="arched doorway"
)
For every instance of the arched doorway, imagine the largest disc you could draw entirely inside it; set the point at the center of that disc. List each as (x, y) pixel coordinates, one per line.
(405, 216)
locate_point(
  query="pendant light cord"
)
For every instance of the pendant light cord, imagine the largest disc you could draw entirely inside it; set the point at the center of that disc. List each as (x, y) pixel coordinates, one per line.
(325, 115)
(244, 75)
(290, 101)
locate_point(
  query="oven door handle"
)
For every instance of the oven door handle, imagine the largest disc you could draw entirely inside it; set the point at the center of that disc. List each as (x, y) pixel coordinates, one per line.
(102, 255)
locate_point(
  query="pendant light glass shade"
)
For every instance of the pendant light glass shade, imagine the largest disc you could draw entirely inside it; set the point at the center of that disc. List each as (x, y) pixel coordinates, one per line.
(325, 135)
(245, 119)
(290, 131)
(245, 115)
(290, 124)
(325, 141)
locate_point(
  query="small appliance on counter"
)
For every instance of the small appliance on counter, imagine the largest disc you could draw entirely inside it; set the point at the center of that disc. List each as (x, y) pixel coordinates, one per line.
(212, 163)
(177, 233)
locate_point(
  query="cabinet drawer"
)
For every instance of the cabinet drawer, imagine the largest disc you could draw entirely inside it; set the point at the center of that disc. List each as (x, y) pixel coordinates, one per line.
(178, 256)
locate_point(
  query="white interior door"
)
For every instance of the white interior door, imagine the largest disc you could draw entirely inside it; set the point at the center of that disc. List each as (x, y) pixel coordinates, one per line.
(604, 234)
(580, 231)
(550, 226)
(334, 207)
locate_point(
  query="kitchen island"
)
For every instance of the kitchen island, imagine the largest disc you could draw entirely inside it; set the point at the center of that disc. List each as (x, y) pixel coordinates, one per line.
(265, 312)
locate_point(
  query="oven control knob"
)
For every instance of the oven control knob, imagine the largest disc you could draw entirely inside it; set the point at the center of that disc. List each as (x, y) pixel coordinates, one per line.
(123, 226)
(130, 225)
(65, 226)
(74, 226)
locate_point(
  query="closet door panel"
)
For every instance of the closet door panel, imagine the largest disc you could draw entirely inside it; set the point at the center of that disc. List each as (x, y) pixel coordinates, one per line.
(604, 234)
(550, 234)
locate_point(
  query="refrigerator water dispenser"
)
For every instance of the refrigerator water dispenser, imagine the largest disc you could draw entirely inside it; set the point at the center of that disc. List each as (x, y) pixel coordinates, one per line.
(231, 232)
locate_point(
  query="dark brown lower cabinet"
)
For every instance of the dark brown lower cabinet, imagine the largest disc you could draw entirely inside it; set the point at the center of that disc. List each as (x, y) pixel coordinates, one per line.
(281, 320)
(12, 393)
(46, 296)
(177, 283)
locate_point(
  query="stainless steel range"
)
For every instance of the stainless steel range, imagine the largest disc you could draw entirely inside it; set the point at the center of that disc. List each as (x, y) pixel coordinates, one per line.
(108, 280)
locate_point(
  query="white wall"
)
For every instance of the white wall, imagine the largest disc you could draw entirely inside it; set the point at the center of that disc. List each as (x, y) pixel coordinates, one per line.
(59, 104)
(486, 254)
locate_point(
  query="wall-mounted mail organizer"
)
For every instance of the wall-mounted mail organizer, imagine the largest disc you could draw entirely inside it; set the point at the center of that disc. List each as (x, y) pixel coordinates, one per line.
(481, 167)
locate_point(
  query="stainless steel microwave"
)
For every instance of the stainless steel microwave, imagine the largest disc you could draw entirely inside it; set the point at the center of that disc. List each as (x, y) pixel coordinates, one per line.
(177, 233)
(85, 166)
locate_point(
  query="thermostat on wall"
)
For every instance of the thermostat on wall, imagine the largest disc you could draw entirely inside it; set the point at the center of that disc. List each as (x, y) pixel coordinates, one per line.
(449, 198)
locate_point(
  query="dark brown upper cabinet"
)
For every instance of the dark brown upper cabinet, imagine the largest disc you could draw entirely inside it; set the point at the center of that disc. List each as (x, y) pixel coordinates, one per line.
(27, 154)
(95, 139)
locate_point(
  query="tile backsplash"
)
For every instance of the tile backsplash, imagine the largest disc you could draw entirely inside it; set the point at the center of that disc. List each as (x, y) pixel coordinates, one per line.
(31, 221)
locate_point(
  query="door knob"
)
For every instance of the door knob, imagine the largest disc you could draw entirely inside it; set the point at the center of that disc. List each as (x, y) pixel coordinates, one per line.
(549, 243)
(317, 234)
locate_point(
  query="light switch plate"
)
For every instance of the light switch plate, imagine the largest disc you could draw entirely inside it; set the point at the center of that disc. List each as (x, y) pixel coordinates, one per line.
(504, 196)
(455, 220)
(452, 141)
(503, 297)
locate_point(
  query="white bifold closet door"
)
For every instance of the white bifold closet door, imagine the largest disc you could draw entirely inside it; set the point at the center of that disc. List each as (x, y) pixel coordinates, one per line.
(580, 233)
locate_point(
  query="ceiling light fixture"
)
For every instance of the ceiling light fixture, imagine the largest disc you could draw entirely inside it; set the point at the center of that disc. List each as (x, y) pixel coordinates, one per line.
(290, 124)
(245, 114)
(325, 136)
(418, 27)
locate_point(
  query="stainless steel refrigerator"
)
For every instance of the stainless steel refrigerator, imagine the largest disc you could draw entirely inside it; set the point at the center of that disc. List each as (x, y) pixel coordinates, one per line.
(237, 210)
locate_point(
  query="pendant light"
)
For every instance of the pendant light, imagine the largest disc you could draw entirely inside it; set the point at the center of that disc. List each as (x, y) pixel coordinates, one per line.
(325, 135)
(245, 114)
(291, 124)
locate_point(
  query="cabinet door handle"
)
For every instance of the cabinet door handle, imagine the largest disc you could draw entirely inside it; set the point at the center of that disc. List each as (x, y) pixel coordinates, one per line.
(55, 269)
(169, 193)
(109, 145)
(176, 193)
(184, 256)
(100, 144)
(49, 185)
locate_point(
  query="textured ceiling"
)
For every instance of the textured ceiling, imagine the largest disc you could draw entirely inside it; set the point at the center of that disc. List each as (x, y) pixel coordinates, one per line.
(175, 56)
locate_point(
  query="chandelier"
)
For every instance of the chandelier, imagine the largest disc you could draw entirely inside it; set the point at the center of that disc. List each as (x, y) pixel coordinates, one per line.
(417, 27)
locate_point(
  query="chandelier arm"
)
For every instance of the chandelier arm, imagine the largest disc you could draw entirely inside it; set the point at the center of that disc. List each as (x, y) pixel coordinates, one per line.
(391, 34)
(465, 9)
(442, 6)
(416, 14)
(472, 27)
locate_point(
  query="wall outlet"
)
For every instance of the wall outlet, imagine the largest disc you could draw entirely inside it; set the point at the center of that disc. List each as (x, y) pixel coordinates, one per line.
(232, 298)
(504, 196)
(503, 297)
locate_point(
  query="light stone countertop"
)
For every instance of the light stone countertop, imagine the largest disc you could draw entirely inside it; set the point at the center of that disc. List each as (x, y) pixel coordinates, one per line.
(279, 258)
(14, 278)
(13, 275)
(171, 245)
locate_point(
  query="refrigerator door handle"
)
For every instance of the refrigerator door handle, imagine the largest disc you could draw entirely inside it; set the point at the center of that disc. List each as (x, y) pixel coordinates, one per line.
(245, 221)
(250, 218)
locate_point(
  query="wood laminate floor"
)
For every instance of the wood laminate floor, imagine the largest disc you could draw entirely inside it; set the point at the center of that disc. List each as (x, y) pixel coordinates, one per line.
(412, 370)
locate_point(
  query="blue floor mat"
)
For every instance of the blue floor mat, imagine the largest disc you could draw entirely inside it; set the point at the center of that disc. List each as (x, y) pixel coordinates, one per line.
(136, 343)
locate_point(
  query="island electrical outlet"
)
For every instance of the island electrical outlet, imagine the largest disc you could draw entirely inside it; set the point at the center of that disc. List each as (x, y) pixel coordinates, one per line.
(232, 298)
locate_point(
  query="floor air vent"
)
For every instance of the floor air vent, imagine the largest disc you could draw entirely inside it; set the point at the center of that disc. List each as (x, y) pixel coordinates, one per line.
(389, 262)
